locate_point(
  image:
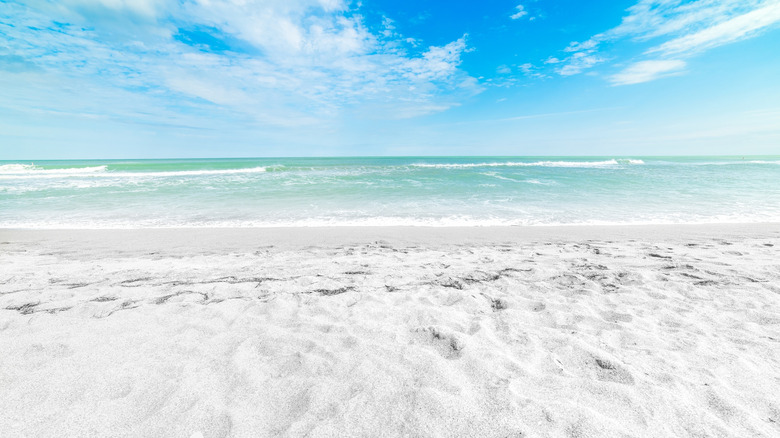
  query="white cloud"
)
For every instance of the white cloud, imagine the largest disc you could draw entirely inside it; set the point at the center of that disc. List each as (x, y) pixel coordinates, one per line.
(285, 28)
(207, 90)
(149, 8)
(645, 71)
(298, 60)
(578, 62)
(581, 47)
(530, 70)
(657, 18)
(521, 12)
(688, 28)
(739, 27)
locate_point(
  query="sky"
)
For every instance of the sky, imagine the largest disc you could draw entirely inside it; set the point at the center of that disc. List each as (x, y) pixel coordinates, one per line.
(250, 78)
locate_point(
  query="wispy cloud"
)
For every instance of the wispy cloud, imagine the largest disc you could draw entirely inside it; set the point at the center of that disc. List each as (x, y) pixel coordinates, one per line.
(734, 29)
(675, 31)
(272, 62)
(579, 62)
(530, 70)
(520, 12)
(645, 71)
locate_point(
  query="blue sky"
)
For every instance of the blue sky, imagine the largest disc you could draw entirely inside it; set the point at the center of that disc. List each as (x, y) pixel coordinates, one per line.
(208, 78)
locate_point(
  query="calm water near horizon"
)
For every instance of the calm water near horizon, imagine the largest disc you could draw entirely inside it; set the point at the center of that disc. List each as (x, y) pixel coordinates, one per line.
(439, 191)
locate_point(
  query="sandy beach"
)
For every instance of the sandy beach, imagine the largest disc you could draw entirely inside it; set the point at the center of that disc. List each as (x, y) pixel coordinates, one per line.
(619, 331)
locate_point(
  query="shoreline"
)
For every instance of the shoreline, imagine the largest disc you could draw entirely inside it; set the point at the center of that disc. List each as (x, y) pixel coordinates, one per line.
(297, 237)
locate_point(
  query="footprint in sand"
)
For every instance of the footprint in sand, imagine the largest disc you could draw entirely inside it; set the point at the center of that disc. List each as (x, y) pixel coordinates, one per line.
(448, 343)
(498, 304)
(610, 371)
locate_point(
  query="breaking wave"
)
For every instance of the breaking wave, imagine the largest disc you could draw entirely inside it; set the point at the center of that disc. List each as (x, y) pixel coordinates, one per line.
(8, 171)
(586, 164)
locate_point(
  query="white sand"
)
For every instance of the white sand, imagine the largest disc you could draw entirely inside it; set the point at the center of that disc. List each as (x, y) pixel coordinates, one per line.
(539, 332)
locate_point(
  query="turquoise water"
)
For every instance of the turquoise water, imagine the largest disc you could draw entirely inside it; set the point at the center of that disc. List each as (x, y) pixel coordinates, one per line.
(440, 191)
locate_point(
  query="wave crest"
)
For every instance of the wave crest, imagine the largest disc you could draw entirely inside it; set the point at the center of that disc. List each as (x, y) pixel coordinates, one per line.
(195, 172)
(28, 169)
(605, 163)
(12, 171)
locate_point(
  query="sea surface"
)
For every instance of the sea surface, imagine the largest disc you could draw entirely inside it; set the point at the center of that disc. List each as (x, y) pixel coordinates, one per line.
(437, 191)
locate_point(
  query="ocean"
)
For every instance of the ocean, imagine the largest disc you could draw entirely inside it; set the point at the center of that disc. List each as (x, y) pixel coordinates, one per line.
(376, 191)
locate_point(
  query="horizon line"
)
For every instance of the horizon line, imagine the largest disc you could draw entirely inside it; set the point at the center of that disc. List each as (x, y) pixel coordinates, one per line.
(394, 156)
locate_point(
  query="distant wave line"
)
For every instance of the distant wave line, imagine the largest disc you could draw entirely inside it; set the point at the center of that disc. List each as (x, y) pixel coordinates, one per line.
(26, 169)
(11, 171)
(721, 163)
(607, 163)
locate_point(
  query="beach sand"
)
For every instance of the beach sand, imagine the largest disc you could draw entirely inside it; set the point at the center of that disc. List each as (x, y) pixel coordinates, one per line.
(620, 331)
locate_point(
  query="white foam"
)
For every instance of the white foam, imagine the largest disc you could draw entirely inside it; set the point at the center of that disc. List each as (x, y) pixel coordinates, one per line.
(16, 168)
(383, 221)
(527, 181)
(194, 172)
(605, 163)
(497, 176)
(724, 163)
(31, 169)
(26, 171)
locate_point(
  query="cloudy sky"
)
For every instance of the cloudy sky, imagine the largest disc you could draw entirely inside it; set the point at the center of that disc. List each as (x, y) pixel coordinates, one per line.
(208, 78)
